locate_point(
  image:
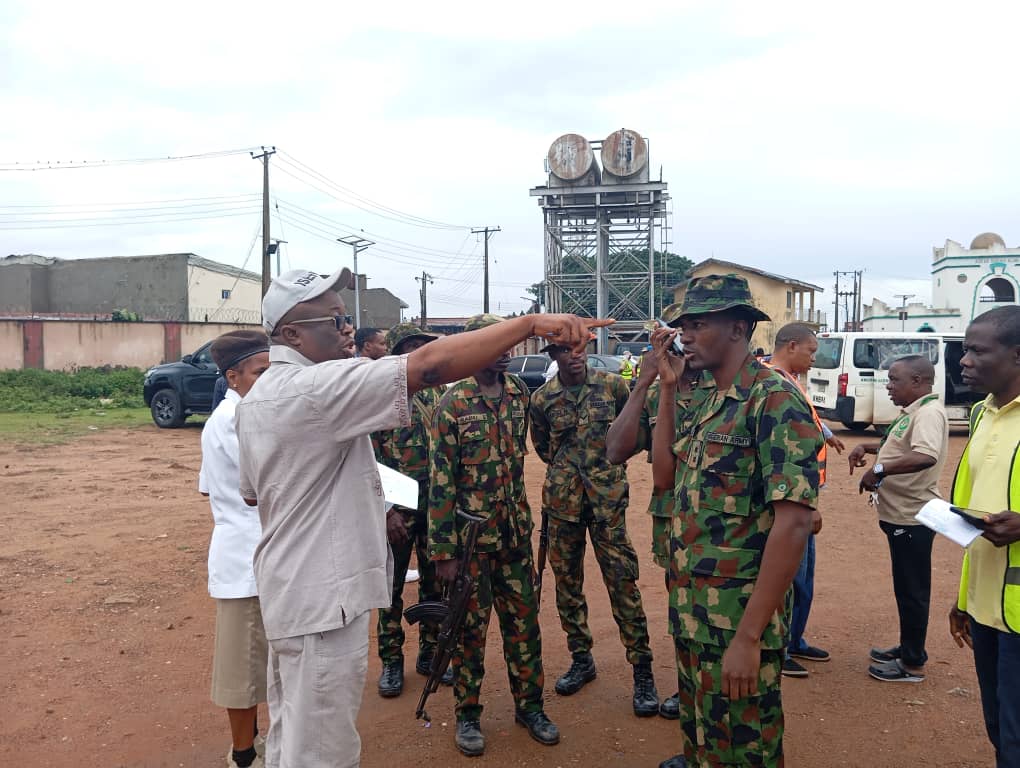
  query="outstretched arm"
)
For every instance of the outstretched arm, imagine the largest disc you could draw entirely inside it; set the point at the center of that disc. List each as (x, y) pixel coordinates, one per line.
(454, 357)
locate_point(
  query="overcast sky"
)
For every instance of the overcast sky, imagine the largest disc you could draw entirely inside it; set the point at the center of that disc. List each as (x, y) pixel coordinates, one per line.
(797, 137)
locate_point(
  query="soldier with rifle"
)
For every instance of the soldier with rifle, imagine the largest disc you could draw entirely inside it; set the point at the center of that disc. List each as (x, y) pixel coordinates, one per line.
(586, 496)
(479, 433)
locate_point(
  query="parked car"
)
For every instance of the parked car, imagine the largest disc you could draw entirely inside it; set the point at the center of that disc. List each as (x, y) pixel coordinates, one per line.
(532, 368)
(174, 391)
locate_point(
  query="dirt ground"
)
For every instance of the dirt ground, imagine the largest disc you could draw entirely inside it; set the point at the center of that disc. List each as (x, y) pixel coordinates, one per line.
(106, 634)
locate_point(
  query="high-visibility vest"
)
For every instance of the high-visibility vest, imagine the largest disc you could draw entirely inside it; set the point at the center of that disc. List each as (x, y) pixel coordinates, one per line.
(823, 451)
(960, 494)
(626, 370)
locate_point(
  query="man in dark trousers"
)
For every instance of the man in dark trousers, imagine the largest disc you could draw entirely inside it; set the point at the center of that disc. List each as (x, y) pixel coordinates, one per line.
(987, 614)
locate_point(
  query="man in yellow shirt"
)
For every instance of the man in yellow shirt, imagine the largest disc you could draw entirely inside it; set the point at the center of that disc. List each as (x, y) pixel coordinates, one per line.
(987, 614)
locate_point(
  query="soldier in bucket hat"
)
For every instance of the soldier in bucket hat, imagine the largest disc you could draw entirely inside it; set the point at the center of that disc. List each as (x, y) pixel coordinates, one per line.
(743, 461)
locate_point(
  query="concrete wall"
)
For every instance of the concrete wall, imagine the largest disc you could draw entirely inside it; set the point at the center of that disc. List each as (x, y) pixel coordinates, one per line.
(24, 289)
(206, 302)
(153, 286)
(64, 344)
(12, 345)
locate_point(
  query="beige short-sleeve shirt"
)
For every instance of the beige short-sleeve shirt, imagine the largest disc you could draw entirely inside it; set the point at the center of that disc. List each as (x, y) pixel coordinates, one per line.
(924, 428)
(306, 456)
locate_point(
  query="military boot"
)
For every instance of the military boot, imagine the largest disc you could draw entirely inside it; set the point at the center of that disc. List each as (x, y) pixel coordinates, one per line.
(677, 761)
(391, 681)
(541, 728)
(646, 698)
(424, 664)
(581, 672)
(469, 739)
(670, 708)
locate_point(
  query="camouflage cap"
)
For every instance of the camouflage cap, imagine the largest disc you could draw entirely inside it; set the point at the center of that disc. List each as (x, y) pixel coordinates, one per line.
(715, 293)
(481, 321)
(400, 333)
(671, 313)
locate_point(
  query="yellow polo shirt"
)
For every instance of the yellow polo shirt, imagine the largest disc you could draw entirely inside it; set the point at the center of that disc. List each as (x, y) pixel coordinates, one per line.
(991, 455)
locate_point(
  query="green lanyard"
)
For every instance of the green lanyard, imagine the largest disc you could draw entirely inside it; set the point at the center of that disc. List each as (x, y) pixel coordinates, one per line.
(892, 427)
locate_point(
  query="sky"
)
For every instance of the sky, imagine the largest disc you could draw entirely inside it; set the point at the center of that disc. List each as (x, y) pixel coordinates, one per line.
(797, 137)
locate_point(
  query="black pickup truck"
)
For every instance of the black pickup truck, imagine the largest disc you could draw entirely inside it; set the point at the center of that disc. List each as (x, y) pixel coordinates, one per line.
(174, 391)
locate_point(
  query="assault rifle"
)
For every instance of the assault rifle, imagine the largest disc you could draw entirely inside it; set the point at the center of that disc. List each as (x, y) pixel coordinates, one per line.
(448, 613)
(543, 548)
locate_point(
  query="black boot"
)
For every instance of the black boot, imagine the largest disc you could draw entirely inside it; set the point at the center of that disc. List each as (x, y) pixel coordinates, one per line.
(677, 761)
(391, 681)
(581, 672)
(424, 664)
(670, 708)
(469, 738)
(539, 726)
(646, 698)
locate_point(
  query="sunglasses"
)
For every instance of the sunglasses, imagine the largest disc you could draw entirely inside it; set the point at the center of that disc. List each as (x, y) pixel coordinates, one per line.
(339, 321)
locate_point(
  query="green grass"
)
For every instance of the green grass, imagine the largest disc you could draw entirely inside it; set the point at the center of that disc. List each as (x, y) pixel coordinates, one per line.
(103, 389)
(63, 426)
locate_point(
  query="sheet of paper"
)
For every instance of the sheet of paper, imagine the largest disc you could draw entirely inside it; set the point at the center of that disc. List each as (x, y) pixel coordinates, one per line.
(937, 516)
(398, 488)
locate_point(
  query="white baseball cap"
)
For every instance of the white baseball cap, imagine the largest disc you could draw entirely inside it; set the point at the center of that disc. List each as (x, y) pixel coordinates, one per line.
(297, 286)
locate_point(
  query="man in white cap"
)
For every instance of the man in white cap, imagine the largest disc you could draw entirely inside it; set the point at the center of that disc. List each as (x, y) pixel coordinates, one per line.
(306, 459)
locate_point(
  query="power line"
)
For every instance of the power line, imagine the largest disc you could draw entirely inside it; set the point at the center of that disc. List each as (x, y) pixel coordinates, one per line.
(63, 165)
(421, 220)
(128, 203)
(120, 223)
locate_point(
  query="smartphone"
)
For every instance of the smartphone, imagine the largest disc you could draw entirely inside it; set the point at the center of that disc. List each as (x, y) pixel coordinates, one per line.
(678, 348)
(972, 516)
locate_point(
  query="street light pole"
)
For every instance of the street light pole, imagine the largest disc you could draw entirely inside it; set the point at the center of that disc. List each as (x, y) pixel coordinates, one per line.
(357, 244)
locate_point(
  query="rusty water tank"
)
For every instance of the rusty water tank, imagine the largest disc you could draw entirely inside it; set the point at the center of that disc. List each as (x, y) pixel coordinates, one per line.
(625, 156)
(571, 159)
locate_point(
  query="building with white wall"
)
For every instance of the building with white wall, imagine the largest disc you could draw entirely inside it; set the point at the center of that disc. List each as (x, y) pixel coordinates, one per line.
(965, 283)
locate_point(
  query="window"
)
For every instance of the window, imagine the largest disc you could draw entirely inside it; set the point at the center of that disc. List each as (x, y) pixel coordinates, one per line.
(515, 365)
(536, 364)
(830, 352)
(789, 299)
(203, 356)
(881, 353)
(225, 293)
(998, 290)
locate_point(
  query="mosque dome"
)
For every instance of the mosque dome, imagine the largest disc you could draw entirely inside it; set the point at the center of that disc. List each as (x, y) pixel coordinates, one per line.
(986, 240)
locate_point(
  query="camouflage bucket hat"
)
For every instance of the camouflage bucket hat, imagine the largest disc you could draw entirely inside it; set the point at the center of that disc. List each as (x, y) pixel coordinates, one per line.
(481, 321)
(398, 334)
(715, 293)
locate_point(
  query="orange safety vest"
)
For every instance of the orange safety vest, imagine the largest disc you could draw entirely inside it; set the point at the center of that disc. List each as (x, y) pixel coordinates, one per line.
(814, 414)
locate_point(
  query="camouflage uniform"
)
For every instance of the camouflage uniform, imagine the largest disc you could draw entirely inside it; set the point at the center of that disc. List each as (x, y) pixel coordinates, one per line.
(737, 452)
(406, 450)
(660, 506)
(478, 466)
(583, 492)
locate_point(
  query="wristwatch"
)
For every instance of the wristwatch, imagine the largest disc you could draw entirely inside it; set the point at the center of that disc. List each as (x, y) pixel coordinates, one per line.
(878, 470)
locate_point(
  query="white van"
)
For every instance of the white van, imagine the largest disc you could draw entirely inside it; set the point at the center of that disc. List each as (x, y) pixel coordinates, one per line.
(847, 381)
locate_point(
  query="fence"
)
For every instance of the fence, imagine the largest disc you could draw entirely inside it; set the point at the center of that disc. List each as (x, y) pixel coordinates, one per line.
(65, 344)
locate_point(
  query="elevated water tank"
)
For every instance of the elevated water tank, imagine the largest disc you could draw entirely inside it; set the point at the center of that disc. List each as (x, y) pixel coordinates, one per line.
(571, 162)
(624, 157)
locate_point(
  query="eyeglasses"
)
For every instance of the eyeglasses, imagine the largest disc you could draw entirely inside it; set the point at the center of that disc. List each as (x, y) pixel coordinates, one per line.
(339, 321)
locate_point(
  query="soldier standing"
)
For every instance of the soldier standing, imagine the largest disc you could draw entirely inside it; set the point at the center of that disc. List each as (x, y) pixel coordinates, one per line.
(479, 433)
(584, 494)
(744, 466)
(406, 449)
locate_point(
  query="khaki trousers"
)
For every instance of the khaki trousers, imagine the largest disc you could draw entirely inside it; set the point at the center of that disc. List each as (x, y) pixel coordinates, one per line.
(315, 686)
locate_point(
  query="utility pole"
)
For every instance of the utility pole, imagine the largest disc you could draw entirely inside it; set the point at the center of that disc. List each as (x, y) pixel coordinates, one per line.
(425, 280)
(358, 244)
(903, 308)
(485, 288)
(852, 315)
(267, 270)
